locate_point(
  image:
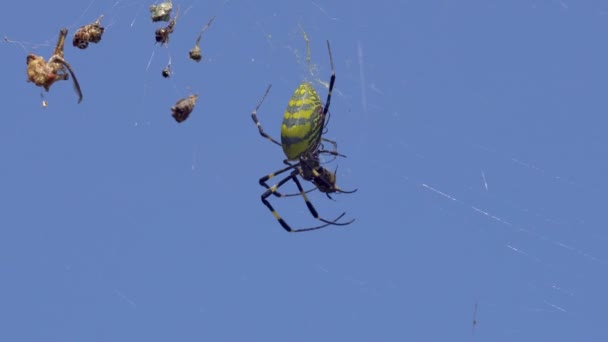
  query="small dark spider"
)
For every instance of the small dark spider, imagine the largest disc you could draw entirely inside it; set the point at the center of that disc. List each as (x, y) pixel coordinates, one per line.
(162, 34)
(195, 53)
(183, 108)
(161, 12)
(166, 72)
(90, 33)
(44, 74)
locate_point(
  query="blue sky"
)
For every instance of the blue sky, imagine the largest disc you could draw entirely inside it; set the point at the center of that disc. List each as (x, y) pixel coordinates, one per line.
(475, 135)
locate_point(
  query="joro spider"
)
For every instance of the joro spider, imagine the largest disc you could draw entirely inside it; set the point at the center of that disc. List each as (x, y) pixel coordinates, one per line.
(304, 122)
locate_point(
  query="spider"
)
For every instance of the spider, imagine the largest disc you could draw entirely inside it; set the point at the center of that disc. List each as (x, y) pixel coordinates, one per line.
(44, 74)
(90, 33)
(162, 34)
(304, 122)
(167, 70)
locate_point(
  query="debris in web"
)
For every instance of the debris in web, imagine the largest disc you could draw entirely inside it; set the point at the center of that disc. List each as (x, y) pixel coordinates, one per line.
(44, 74)
(195, 52)
(161, 12)
(90, 33)
(162, 34)
(182, 109)
(167, 70)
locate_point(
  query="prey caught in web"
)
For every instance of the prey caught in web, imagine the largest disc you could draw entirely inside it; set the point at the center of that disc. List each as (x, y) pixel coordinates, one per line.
(45, 73)
(161, 12)
(167, 70)
(183, 107)
(90, 33)
(195, 52)
(162, 34)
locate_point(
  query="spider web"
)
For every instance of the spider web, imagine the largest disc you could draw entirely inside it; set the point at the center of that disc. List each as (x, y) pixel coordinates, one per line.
(550, 249)
(558, 254)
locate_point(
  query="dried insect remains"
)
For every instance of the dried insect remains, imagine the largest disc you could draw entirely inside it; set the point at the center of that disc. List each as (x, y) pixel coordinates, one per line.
(161, 12)
(195, 53)
(183, 108)
(90, 33)
(44, 74)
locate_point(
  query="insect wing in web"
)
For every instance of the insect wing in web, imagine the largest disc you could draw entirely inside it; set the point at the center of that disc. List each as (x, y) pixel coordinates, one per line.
(182, 109)
(161, 12)
(90, 33)
(195, 52)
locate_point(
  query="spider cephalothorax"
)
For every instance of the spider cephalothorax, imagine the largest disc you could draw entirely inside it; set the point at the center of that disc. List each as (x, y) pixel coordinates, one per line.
(90, 33)
(183, 108)
(44, 74)
(304, 123)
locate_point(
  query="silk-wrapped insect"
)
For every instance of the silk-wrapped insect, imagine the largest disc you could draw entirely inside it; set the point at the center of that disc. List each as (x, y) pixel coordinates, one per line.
(90, 33)
(183, 108)
(195, 53)
(44, 74)
(161, 12)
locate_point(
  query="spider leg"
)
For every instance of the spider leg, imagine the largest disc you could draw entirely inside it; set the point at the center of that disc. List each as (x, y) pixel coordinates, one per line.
(334, 154)
(298, 194)
(287, 162)
(254, 117)
(333, 143)
(284, 224)
(312, 209)
(266, 178)
(332, 80)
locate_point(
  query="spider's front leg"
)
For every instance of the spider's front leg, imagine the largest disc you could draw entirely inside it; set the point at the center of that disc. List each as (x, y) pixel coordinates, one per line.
(293, 177)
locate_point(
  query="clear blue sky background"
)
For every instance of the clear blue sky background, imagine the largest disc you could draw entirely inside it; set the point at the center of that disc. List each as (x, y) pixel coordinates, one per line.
(475, 133)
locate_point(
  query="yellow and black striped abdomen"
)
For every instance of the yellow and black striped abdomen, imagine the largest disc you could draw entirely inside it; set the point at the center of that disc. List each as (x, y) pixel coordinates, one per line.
(302, 123)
